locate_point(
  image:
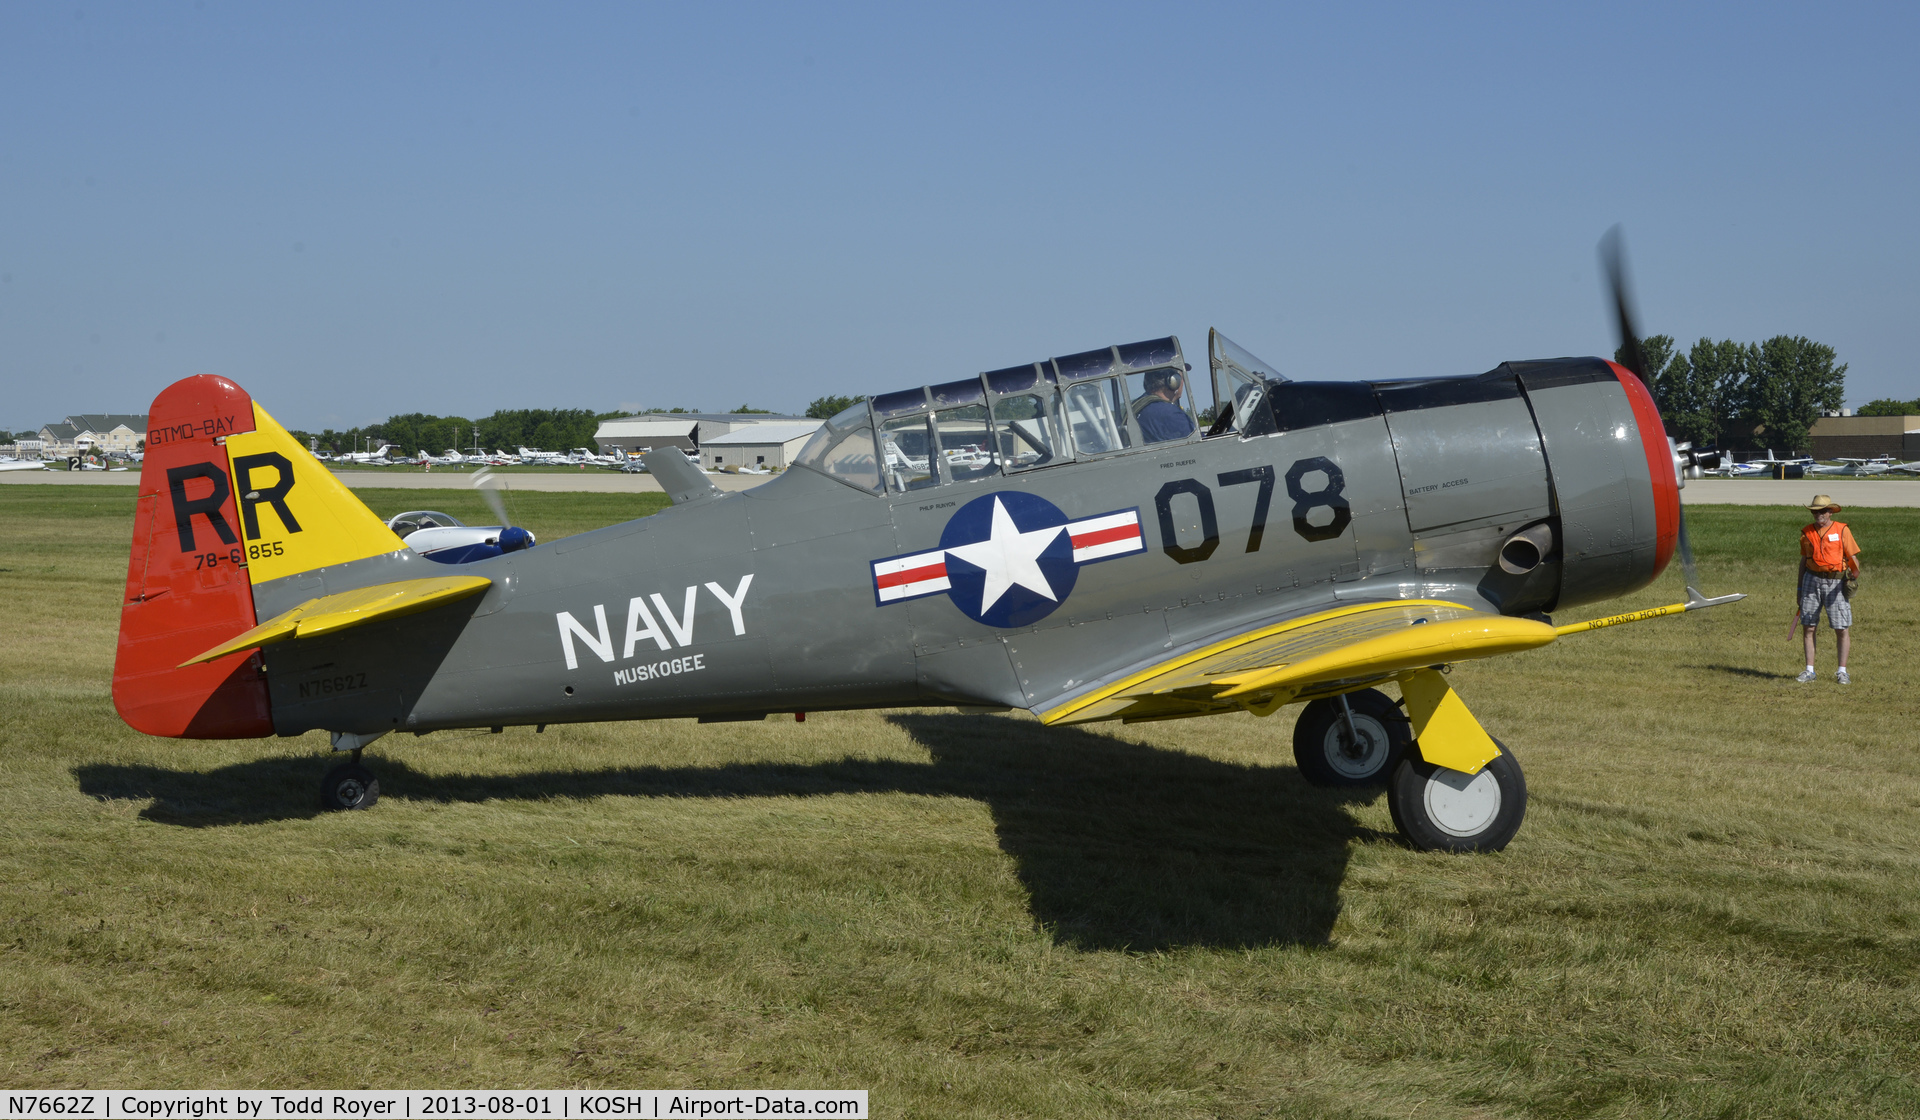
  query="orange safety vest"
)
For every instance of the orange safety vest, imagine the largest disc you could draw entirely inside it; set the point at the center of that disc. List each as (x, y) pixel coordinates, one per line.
(1829, 552)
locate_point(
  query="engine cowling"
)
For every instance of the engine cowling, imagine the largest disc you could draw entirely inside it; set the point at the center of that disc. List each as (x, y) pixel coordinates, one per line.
(1542, 484)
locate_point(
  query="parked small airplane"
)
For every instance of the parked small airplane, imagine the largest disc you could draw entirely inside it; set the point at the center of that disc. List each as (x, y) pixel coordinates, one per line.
(377, 456)
(451, 458)
(1853, 466)
(1110, 559)
(1753, 468)
(446, 539)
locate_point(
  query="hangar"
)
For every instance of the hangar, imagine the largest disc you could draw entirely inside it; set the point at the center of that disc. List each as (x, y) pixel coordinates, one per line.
(685, 430)
(771, 446)
(1863, 437)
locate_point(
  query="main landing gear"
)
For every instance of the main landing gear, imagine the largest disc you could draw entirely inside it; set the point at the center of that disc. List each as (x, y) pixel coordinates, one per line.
(1451, 787)
(1351, 740)
(1442, 810)
(350, 785)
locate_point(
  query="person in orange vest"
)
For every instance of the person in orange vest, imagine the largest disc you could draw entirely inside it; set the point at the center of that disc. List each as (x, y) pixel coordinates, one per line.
(1828, 555)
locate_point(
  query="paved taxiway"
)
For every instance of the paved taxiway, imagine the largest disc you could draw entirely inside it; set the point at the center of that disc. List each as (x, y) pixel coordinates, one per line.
(1699, 491)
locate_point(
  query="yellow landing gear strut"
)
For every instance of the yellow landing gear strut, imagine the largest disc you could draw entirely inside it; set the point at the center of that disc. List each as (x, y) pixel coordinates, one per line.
(1461, 791)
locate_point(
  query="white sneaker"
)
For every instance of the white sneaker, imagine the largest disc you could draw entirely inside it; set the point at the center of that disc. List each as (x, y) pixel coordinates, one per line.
(1805, 676)
(1841, 677)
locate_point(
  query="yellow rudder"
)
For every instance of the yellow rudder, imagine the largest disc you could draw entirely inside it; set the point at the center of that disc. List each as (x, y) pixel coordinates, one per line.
(294, 514)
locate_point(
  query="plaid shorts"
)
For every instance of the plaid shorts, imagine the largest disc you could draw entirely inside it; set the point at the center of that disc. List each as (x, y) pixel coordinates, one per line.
(1817, 592)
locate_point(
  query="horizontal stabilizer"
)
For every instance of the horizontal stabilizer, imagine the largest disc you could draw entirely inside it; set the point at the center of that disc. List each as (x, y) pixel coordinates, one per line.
(682, 481)
(350, 608)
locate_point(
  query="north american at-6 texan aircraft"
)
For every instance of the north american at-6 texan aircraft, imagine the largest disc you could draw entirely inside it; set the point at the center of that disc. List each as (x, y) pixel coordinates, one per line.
(1067, 536)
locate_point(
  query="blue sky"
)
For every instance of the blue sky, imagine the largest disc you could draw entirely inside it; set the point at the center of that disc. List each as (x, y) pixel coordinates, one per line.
(357, 210)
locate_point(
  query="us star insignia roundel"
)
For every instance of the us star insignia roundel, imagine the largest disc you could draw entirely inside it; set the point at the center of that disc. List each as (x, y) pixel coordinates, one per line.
(1008, 559)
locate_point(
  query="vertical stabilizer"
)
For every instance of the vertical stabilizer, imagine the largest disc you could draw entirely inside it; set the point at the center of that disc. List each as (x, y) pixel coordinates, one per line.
(227, 500)
(187, 586)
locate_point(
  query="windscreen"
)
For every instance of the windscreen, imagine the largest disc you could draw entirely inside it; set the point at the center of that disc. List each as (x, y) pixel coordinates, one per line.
(843, 449)
(1240, 383)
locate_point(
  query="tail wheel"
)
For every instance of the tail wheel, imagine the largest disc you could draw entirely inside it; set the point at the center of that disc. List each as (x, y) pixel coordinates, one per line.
(1442, 810)
(1328, 754)
(349, 786)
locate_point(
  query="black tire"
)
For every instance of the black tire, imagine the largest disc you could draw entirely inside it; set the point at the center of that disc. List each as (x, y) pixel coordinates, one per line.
(1442, 810)
(349, 786)
(1326, 754)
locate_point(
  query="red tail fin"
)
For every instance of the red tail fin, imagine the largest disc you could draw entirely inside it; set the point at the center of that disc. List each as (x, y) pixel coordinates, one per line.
(187, 587)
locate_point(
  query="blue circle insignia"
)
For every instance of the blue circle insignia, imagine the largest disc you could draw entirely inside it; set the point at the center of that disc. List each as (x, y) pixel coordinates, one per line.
(1009, 559)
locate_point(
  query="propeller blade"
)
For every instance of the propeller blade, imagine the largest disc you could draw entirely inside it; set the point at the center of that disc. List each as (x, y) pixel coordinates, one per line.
(489, 485)
(1613, 258)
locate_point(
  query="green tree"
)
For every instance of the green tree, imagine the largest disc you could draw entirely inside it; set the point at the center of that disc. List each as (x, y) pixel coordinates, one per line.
(1657, 350)
(1690, 401)
(1792, 380)
(551, 429)
(1704, 387)
(1886, 406)
(824, 407)
(750, 409)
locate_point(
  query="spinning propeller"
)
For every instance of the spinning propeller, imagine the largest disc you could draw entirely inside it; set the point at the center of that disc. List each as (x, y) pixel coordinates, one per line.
(512, 538)
(1613, 258)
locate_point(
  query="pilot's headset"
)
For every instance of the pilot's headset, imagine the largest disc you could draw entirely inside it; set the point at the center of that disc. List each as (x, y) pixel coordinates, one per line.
(1150, 386)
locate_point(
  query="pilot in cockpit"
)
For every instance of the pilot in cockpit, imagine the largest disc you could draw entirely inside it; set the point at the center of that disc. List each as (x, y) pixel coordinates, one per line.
(1158, 411)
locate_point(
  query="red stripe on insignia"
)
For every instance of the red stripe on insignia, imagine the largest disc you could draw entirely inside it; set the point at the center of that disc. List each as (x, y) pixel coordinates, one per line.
(935, 570)
(1104, 536)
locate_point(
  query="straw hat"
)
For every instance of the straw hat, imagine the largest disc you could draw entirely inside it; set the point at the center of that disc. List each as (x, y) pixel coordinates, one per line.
(1823, 501)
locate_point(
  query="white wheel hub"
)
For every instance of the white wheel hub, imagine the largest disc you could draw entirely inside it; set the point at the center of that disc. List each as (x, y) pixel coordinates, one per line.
(1364, 757)
(1462, 804)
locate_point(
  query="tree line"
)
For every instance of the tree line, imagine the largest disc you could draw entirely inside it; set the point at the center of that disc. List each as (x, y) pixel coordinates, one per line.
(1752, 393)
(550, 429)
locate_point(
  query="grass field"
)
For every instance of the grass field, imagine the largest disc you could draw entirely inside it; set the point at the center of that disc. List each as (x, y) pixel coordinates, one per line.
(1710, 912)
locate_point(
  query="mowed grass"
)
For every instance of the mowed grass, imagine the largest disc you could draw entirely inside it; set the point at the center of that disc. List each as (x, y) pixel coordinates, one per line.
(1711, 909)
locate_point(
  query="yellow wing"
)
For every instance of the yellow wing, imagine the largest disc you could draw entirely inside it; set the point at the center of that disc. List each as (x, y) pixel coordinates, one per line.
(1318, 654)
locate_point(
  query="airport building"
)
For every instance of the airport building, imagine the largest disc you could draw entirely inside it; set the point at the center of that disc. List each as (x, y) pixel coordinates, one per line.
(93, 432)
(1866, 437)
(762, 446)
(686, 430)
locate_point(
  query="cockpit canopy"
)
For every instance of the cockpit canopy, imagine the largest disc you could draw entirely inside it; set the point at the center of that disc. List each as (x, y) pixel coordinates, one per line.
(1066, 409)
(412, 521)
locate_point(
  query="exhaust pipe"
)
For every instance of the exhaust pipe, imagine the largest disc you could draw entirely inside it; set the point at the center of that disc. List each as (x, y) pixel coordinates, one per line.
(1526, 549)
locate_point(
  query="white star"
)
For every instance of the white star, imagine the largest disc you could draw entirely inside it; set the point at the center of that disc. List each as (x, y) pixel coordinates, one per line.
(1009, 557)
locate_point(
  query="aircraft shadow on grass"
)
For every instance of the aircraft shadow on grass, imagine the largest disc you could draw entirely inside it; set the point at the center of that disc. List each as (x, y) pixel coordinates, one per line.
(1119, 845)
